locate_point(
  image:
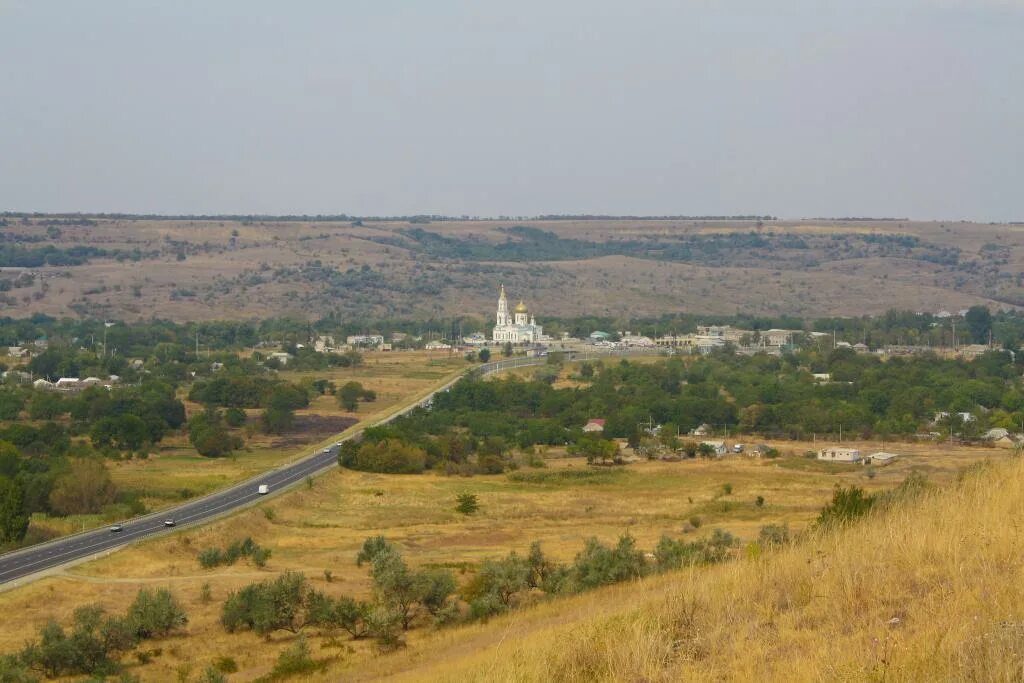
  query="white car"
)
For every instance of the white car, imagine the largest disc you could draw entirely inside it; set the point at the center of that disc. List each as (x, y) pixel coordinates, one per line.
(114, 528)
(263, 490)
(169, 522)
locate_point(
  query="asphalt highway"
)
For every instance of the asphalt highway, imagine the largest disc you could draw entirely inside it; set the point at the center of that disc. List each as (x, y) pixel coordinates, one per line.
(24, 563)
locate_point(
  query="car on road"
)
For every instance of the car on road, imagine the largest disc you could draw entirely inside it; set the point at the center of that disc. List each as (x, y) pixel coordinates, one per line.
(263, 490)
(170, 522)
(114, 528)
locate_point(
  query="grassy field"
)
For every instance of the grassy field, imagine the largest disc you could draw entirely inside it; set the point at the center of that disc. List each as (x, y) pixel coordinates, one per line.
(320, 528)
(200, 270)
(175, 472)
(927, 592)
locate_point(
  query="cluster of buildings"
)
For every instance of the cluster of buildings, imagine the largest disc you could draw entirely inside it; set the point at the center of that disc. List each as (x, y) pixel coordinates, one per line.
(73, 385)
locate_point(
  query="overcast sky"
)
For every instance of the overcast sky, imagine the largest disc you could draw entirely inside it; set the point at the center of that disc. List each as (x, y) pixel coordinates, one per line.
(794, 108)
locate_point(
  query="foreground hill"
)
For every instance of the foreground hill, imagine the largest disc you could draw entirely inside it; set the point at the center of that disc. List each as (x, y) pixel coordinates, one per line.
(130, 268)
(926, 590)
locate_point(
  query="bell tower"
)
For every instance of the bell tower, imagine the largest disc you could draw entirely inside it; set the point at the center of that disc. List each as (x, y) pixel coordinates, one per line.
(502, 317)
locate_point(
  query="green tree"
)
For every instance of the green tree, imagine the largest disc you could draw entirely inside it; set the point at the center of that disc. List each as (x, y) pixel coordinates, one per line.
(979, 323)
(209, 434)
(499, 580)
(84, 489)
(391, 456)
(12, 401)
(349, 395)
(13, 518)
(484, 355)
(396, 585)
(45, 405)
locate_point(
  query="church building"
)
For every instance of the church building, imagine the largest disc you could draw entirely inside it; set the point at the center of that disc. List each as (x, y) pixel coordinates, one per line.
(521, 328)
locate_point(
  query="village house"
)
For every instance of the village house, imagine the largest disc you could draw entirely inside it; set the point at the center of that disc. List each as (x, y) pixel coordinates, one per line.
(17, 352)
(836, 454)
(718, 446)
(702, 430)
(17, 376)
(68, 384)
(365, 339)
(281, 357)
(995, 434)
(594, 425)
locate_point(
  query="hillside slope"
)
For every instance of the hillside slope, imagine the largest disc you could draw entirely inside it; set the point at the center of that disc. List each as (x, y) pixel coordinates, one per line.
(928, 590)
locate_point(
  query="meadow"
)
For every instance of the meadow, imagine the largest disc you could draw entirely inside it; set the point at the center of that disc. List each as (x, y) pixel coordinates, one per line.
(321, 527)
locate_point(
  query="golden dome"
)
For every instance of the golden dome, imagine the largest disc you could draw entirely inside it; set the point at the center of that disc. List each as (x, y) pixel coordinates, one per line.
(520, 307)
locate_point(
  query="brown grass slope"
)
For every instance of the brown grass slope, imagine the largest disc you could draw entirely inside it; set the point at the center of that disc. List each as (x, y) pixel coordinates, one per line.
(215, 269)
(929, 590)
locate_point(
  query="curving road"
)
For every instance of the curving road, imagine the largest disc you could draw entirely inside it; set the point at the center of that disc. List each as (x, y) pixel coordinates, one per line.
(22, 565)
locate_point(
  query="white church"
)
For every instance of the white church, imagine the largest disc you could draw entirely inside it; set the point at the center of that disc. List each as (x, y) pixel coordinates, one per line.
(521, 329)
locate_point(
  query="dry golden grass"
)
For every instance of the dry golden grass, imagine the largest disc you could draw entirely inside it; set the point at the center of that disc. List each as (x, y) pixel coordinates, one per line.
(318, 528)
(929, 591)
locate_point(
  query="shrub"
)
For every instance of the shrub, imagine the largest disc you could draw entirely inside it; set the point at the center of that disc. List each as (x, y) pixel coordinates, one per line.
(466, 503)
(773, 535)
(295, 659)
(226, 664)
(847, 504)
(246, 548)
(499, 579)
(372, 547)
(599, 565)
(268, 606)
(155, 613)
(212, 675)
(210, 558)
(759, 501)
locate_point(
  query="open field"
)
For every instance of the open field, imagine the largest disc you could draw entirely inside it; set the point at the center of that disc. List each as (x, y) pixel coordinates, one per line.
(198, 270)
(175, 472)
(929, 591)
(318, 528)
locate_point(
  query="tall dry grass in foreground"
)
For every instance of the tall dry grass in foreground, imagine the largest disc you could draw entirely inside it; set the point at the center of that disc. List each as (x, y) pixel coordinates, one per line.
(932, 589)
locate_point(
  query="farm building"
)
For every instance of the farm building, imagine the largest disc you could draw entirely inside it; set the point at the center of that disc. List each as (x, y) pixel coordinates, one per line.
(881, 458)
(836, 454)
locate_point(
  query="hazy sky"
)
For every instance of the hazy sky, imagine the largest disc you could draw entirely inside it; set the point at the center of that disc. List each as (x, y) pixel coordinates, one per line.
(794, 108)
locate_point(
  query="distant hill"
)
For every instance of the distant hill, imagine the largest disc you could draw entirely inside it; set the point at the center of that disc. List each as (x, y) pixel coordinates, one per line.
(188, 268)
